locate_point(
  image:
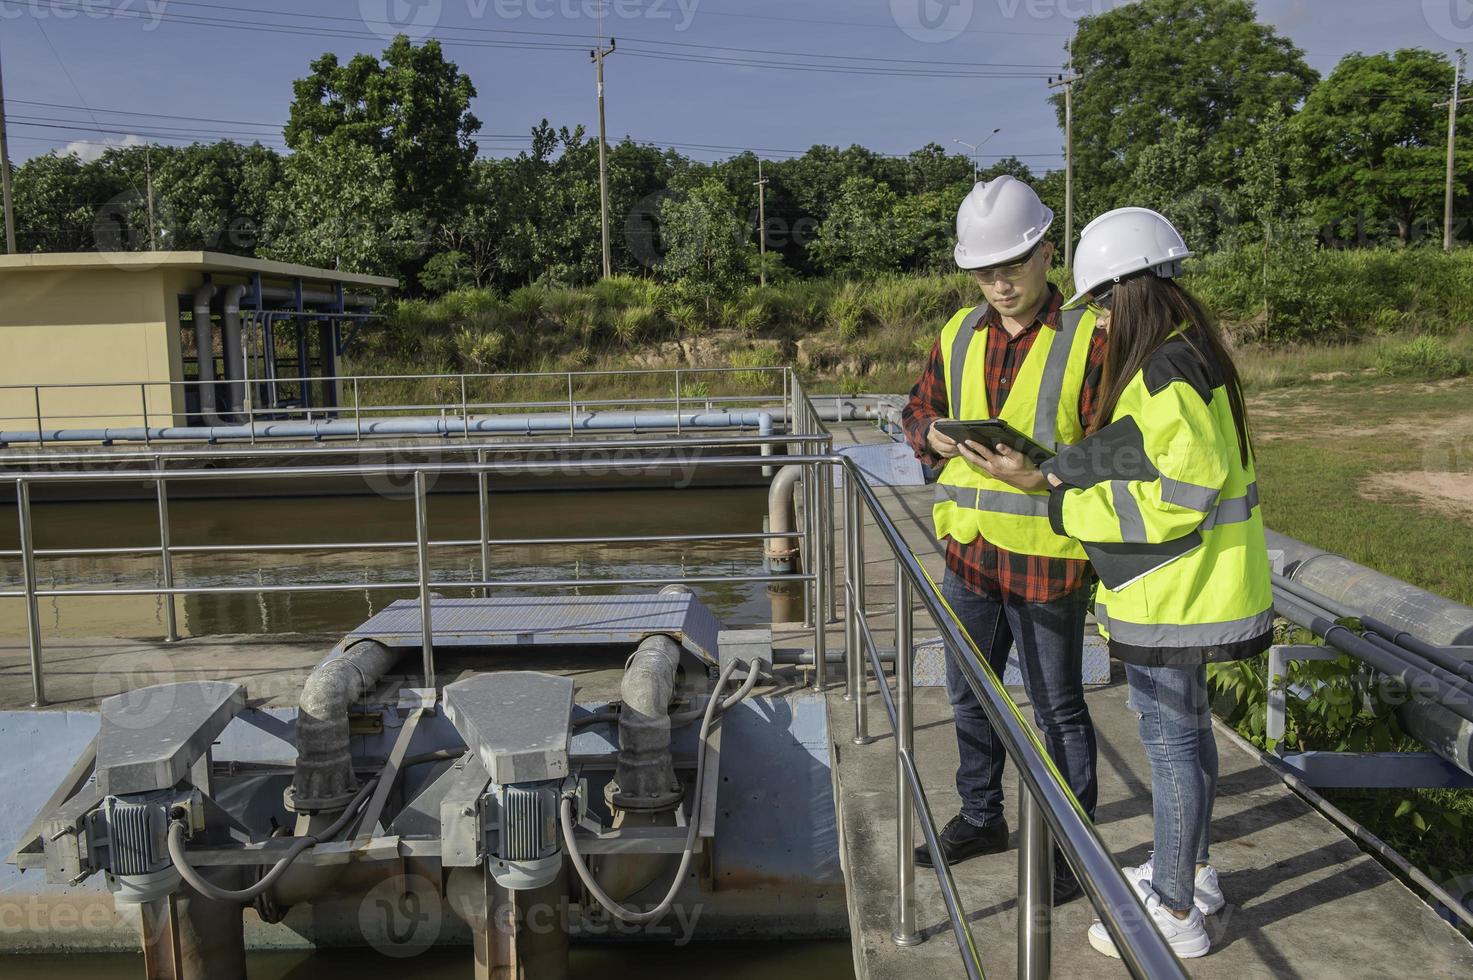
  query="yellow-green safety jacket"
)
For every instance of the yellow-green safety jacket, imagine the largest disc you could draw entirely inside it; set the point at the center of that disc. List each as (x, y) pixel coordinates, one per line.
(1215, 602)
(1043, 403)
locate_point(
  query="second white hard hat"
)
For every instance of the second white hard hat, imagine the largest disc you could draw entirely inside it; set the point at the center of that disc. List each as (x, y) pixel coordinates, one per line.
(1123, 242)
(1000, 221)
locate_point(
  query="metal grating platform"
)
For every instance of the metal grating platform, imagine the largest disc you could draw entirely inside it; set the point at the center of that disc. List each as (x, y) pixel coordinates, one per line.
(523, 621)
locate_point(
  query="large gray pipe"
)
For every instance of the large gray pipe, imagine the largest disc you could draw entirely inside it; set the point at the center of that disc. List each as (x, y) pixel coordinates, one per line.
(234, 355)
(204, 341)
(323, 781)
(1423, 614)
(645, 773)
(781, 519)
(547, 422)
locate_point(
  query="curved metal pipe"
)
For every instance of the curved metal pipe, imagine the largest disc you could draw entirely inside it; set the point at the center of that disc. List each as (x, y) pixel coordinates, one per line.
(323, 781)
(782, 518)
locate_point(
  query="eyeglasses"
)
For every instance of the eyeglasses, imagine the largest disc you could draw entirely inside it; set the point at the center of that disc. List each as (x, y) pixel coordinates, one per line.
(1012, 273)
(1102, 299)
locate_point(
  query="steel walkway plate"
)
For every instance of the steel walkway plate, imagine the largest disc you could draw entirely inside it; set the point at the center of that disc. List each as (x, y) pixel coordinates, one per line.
(550, 621)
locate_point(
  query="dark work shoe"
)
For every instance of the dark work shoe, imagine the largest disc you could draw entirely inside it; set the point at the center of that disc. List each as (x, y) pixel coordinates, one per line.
(961, 839)
(1066, 886)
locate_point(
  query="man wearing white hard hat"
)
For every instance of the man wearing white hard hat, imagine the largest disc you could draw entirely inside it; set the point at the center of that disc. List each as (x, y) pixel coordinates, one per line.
(1013, 583)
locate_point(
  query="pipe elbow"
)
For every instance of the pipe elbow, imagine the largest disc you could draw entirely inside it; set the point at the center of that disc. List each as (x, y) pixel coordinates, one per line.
(323, 778)
(644, 776)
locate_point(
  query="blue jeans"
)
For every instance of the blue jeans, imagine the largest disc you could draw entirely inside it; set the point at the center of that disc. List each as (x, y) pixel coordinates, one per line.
(1176, 728)
(1050, 641)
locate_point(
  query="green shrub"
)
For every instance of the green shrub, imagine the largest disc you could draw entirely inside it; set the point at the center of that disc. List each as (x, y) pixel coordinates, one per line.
(1424, 357)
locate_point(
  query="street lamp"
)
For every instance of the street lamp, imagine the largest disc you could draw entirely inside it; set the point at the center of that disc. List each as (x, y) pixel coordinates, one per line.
(976, 149)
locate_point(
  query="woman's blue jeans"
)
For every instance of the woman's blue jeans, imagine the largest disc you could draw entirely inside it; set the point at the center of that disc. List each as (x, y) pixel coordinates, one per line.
(1176, 728)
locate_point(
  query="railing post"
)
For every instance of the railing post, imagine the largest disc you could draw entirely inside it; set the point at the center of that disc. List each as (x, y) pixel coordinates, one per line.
(861, 660)
(821, 472)
(1035, 889)
(572, 427)
(143, 400)
(831, 611)
(483, 499)
(806, 559)
(1277, 702)
(357, 413)
(852, 652)
(36, 391)
(677, 401)
(28, 571)
(905, 933)
(422, 547)
(166, 559)
(465, 415)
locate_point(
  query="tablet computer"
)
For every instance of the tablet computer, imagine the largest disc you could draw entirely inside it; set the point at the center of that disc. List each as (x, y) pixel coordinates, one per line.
(991, 432)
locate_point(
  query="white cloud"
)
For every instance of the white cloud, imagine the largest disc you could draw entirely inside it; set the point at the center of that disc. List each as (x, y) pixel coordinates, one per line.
(90, 150)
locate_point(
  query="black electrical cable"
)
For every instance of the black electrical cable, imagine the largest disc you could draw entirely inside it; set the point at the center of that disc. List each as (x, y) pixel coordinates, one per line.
(244, 896)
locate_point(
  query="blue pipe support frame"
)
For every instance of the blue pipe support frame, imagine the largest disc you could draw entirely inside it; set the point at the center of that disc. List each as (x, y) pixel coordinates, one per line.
(410, 426)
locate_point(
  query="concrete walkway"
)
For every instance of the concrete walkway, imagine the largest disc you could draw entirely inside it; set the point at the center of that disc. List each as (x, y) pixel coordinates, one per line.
(1303, 899)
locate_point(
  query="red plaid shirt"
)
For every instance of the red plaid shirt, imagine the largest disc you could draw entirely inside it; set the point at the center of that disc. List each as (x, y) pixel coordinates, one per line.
(983, 566)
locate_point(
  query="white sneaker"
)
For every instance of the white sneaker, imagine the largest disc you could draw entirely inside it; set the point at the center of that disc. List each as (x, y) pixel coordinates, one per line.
(1206, 891)
(1187, 937)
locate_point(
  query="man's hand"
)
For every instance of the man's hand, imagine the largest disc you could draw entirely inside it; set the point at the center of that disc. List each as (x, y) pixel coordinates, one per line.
(941, 444)
(1005, 464)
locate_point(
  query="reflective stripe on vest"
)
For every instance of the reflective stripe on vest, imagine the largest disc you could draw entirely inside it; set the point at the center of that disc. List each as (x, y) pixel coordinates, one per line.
(1051, 387)
(1190, 635)
(1234, 510)
(996, 501)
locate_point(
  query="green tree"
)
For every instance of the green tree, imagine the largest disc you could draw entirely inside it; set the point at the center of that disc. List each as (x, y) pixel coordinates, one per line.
(411, 107)
(708, 248)
(1375, 144)
(336, 209)
(60, 202)
(861, 235)
(1146, 68)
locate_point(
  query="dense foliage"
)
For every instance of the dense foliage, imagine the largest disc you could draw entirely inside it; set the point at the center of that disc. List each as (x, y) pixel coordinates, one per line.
(1190, 106)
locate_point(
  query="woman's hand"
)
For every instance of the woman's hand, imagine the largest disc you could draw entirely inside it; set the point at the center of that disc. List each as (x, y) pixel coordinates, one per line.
(1005, 464)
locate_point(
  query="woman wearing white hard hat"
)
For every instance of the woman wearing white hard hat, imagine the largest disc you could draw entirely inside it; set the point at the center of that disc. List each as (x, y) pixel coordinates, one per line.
(1171, 397)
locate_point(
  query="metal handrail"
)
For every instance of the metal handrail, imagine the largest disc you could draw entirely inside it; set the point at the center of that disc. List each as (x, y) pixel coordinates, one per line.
(1046, 799)
(461, 407)
(161, 477)
(1051, 812)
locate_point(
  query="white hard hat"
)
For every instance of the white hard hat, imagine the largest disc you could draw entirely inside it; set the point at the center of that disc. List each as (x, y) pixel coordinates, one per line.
(1000, 221)
(1125, 241)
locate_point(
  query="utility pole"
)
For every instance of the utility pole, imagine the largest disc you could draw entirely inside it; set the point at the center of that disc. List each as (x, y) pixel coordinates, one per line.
(761, 226)
(153, 239)
(598, 55)
(1066, 82)
(1452, 134)
(9, 203)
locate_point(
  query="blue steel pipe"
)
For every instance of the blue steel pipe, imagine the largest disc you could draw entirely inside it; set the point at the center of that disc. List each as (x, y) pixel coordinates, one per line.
(416, 426)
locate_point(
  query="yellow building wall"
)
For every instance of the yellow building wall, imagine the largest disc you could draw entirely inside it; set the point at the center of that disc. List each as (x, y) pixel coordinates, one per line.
(75, 327)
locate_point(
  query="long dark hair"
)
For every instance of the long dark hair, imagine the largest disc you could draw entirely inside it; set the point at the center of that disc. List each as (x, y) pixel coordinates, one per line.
(1144, 310)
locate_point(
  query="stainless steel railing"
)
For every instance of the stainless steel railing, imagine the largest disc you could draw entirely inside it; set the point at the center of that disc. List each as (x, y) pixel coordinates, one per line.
(160, 402)
(1049, 812)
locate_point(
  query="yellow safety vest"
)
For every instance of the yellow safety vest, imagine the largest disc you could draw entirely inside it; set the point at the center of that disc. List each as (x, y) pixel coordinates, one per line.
(1216, 601)
(1043, 403)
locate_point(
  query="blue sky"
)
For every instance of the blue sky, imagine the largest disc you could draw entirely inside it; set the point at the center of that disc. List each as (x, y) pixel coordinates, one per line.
(704, 75)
